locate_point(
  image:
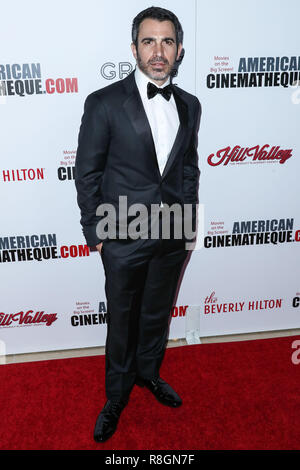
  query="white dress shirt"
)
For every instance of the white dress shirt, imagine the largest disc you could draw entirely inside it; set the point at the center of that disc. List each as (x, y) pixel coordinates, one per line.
(162, 116)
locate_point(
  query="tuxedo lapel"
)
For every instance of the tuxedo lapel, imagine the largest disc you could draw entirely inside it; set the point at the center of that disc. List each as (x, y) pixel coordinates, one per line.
(135, 111)
(134, 108)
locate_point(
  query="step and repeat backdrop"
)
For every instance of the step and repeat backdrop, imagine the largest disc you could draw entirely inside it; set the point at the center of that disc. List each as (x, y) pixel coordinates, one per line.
(242, 60)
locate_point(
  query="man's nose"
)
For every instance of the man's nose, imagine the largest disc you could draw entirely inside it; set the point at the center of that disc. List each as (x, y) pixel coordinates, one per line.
(158, 48)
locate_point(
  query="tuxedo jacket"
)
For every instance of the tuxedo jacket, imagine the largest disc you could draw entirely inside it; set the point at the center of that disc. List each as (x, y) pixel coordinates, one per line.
(116, 154)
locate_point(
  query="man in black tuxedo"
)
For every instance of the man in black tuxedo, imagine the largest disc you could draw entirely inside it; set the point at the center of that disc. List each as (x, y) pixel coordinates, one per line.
(138, 139)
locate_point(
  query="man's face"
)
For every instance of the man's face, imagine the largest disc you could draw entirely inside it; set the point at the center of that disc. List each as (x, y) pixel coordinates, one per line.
(156, 50)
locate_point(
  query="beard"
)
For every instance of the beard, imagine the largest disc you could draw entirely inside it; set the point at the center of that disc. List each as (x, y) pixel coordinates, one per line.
(149, 68)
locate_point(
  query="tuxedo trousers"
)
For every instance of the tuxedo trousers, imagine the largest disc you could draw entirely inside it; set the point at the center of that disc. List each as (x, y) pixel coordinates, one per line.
(140, 288)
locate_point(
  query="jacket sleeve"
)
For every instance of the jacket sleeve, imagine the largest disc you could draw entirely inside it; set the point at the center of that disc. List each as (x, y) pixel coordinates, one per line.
(93, 143)
(191, 172)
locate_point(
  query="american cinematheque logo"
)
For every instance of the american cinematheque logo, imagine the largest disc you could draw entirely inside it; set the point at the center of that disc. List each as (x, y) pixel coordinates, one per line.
(26, 79)
(84, 314)
(35, 247)
(253, 72)
(296, 300)
(66, 168)
(251, 232)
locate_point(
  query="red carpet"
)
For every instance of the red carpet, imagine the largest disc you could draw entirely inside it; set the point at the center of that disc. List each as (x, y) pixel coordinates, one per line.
(241, 395)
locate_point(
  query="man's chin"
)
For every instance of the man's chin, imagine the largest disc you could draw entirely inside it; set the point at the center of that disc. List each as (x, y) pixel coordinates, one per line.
(160, 78)
(157, 75)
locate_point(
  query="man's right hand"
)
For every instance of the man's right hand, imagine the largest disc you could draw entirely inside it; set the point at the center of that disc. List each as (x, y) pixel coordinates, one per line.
(99, 247)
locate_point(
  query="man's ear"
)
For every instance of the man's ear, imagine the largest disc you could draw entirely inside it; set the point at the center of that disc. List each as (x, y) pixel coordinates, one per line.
(133, 48)
(179, 50)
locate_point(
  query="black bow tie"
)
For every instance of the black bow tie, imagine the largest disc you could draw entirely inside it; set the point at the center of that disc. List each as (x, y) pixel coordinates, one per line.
(166, 92)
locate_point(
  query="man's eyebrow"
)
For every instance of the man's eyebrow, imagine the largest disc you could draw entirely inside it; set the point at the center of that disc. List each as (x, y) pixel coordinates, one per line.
(164, 39)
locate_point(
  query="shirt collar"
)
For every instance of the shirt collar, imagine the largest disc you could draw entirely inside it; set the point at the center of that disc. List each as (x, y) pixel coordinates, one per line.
(142, 81)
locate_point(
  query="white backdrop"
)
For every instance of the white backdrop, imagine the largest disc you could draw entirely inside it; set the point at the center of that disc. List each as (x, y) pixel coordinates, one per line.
(55, 59)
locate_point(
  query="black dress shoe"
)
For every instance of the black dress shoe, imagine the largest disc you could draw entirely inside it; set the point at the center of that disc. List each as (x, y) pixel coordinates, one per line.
(107, 420)
(162, 391)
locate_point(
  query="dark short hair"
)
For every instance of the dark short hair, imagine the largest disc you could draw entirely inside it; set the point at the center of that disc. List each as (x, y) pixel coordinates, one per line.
(160, 14)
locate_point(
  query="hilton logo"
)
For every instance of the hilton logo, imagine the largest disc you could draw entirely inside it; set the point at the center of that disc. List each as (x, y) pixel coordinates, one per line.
(23, 174)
